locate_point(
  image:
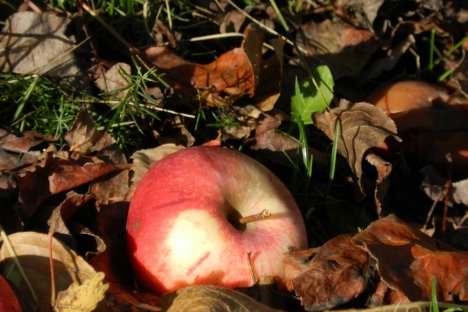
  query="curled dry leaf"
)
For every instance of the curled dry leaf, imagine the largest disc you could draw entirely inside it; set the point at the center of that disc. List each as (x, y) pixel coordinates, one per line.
(211, 298)
(82, 297)
(407, 259)
(336, 274)
(362, 128)
(32, 250)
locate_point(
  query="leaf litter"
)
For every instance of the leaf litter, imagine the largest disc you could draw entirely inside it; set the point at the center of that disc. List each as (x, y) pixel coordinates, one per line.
(401, 145)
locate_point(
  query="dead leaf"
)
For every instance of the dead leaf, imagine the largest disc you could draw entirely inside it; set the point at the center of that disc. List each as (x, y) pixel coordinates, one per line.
(362, 127)
(434, 186)
(84, 138)
(144, 159)
(82, 297)
(32, 250)
(360, 13)
(235, 73)
(344, 48)
(55, 175)
(34, 43)
(268, 137)
(72, 203)
(20, 143)
(114, 80)
(407, 259)
(211, 298)
(336, 274)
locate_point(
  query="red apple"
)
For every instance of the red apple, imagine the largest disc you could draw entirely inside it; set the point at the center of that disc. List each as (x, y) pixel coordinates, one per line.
(8, 300)
(183, 223)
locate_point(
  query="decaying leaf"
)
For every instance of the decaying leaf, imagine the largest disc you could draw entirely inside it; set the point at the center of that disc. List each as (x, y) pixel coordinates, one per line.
(115, 80)
(55, 175)
(235, 73)
(344, 48)
(434, 184)
(32, 250)
(211, 298)
(362, 127)
(268, 137)
(407, 259)
(82, 297)
(36, 43)
(60, 215)
(336, 274)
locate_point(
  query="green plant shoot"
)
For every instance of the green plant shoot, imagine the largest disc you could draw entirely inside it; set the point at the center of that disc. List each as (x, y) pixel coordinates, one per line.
(313, 94)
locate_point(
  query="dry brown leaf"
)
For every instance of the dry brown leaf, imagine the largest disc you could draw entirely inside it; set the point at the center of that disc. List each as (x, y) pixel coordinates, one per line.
(144, 159)
(362, 127)
(55, 175)
(434, 185)
(83, 297)
(36, 43)
(20, 143)
(211, 298)
(344, 48)
(84, 138)
(407, 259)
(361, 13)
(60, 215)
(335, 275)
(32, 251)
(115, 80)
(267, 137)
(235, 73)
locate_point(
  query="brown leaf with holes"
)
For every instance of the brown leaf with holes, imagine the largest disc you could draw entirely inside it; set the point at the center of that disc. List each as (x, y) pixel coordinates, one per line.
(362, 127)
(335, 275)
(407, 259)
(211, 298)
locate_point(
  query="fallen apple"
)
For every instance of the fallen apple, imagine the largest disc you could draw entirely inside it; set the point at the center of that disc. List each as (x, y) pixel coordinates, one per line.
(210, 215)
(8, 300)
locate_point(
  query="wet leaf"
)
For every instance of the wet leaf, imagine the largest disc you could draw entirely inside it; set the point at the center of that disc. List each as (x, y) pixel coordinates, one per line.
(82, 297)
(32, 250)
(211, 298)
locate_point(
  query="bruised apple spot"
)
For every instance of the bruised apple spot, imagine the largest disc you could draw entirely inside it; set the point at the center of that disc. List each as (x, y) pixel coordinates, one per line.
(136, 225)
(191, 233)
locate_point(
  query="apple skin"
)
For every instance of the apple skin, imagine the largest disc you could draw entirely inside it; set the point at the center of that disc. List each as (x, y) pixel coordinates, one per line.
(8, 300)
(180, 228)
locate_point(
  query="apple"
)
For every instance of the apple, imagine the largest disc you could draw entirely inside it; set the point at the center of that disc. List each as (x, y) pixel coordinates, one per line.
(210, 215)
(8, 300)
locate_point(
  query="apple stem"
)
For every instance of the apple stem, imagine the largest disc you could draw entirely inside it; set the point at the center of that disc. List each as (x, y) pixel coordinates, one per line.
(265, 213)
